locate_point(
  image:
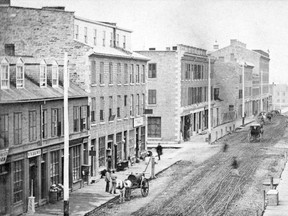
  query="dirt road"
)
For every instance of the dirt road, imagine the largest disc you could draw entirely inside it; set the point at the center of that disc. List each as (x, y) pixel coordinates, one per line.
(210, 188)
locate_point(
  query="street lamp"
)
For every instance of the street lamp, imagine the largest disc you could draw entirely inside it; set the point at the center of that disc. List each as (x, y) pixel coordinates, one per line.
(243, 94)
(209, 99)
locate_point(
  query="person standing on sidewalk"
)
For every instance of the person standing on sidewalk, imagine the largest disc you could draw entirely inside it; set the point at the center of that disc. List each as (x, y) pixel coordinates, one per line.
(159, 150)
(114, 181)
(107, 179)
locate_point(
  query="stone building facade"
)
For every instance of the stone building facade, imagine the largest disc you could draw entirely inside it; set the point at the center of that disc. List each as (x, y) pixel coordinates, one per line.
(178, 94)
(279, 96)
(32, 131)
(237, 52)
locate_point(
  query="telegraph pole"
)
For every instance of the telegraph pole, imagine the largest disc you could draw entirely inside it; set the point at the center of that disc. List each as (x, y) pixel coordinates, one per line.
(209, 100)
(66, 138)
(243, 95)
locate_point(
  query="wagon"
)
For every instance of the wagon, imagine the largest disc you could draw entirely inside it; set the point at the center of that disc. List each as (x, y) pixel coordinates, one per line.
(138, 180)
(255, 132)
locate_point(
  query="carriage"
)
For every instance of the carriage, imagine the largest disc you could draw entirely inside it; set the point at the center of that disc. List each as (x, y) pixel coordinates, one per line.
(138, 180)
(255, 132)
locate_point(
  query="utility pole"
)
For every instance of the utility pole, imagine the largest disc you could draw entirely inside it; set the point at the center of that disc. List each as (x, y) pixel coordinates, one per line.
(243, 95)
(261, 92)
(66, 138)
(209, 100)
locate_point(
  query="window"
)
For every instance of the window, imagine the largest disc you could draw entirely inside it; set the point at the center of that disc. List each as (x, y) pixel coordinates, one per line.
(76, 32)
(54, 168)
(132, 105)
(232, 57)
(137, 105)
(19, 76)
(104, 38)
(110, 73)
(143, 103)
(76, 116)
(44, 123)
(54, 76)
(18, 175)
(125, 106)
(190, 95)
(93, 109)
(154, 127)
(93, 72)
(131, 73)
(95, 37)
(240, 93)
(111, 117)
(43, 75)
(126, 73)
(85, 35)
(10, 49)
(119, 106)
(55, 122)
(216, 93)
(76, 162)
(101, 74)
(119, 73)
(4, 131)
(101, 151)
(32, 126)
(111, 39)
(124, 42)
(152, 70)
(83, 118)
(151, 96)
(117, 40)
(5, 76)
(17, 128)
(231, 108)
(187, 72)
(137, 74)
(143, 74)
(101, 109)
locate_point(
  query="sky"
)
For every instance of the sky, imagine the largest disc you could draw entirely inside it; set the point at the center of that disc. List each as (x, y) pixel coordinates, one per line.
(261, 24)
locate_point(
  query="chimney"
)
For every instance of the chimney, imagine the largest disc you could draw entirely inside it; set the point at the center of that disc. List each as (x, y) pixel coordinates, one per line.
(167, 48)
(5, 3)
(174, 48)
(216, 46)
(152, 48)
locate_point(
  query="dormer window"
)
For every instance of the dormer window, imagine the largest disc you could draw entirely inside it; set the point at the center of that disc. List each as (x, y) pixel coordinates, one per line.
(55, 75)
(19, 74)
(4, 75)
(43, 74)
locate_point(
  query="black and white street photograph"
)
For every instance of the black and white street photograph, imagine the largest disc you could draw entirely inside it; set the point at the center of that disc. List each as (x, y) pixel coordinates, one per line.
(143, 108)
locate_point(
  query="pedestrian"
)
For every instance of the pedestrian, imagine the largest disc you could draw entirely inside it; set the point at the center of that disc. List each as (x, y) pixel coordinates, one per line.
(159, 150)
(108, 179)
(127, 185)
(113, 180)
(225, 147)
(121, 187)
(235, 166)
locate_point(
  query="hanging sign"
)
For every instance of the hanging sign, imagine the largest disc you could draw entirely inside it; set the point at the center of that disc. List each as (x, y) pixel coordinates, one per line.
(3, 156)
(34, 153)
(138, 121)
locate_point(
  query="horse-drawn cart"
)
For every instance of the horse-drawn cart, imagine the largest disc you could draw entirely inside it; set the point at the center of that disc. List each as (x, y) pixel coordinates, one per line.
(255, 132)
(138, 180)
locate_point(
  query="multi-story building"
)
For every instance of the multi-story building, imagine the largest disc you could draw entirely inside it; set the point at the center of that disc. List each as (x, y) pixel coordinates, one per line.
(237, 52)
(279, 96)
(178, 93)
(100, 59)
(32, 131)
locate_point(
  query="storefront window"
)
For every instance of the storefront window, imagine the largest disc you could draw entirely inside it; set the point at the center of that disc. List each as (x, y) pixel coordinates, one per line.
(76, 162)
(54, 168)
(102, 151)
(18, 181)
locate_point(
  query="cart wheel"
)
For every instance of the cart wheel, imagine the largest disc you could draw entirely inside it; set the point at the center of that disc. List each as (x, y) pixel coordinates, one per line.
(144, 187)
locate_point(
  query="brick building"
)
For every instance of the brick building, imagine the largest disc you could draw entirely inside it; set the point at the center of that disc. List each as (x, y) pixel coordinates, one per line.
(99, 56)
(178, 94)
(31, 131)
(237, 52)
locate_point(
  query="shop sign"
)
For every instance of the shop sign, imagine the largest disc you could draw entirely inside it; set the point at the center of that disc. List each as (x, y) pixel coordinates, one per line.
(34, 153)
(138, 121)
(3, 156)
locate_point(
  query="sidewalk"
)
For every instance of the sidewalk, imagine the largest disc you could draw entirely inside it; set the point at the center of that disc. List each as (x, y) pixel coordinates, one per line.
(91, 196)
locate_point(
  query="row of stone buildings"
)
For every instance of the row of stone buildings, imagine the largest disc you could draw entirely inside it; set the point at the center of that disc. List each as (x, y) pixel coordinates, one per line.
(119, 100)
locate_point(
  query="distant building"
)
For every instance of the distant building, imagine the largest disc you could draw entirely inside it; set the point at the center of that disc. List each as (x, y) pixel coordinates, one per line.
(32, 131)
(177, 89)
(237, 52)
(279, 95)
(101, 62)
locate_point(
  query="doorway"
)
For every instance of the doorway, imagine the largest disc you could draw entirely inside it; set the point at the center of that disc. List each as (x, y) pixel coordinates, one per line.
(33, 181)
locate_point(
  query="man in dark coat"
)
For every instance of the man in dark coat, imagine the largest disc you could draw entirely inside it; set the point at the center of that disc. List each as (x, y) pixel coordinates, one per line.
(159, 150)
